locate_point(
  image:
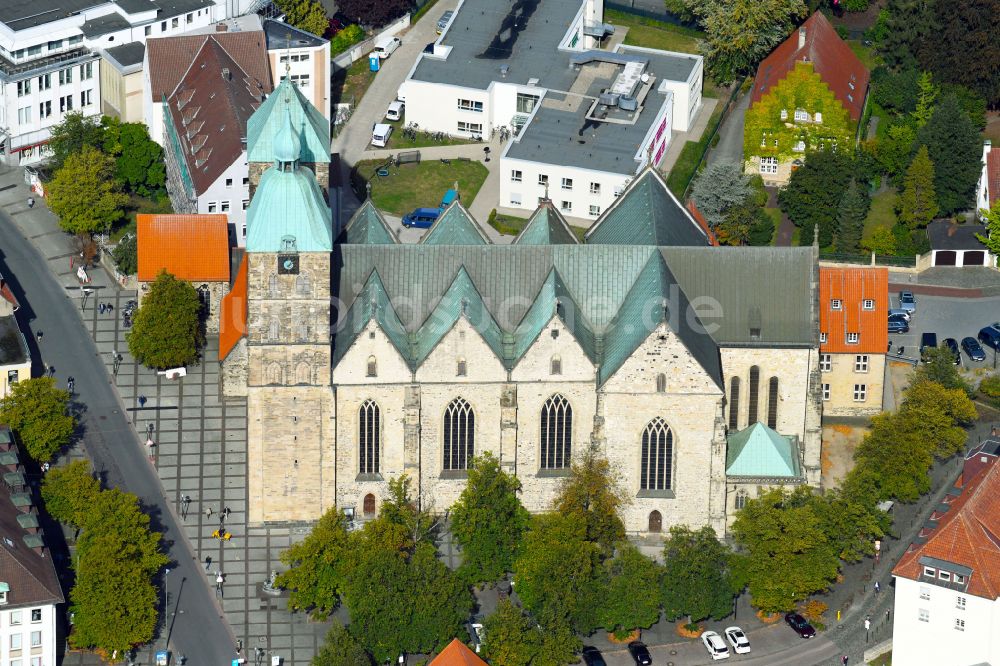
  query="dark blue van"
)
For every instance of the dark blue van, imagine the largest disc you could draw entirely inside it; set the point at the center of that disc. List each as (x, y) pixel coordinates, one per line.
(421, 218)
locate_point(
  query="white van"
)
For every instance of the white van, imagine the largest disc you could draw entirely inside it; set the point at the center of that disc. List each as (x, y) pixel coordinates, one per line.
(395, 110)
(385, 46)
(380, 134)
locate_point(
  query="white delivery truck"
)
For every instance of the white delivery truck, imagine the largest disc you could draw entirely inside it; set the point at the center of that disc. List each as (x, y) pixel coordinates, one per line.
(380, 134)
(395, 110)
(385, 46)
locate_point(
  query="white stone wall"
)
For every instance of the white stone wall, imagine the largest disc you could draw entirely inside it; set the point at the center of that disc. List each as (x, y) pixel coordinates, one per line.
(217, 195)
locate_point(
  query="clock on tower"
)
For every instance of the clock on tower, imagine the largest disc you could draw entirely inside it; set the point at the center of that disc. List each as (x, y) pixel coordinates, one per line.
(288, 264)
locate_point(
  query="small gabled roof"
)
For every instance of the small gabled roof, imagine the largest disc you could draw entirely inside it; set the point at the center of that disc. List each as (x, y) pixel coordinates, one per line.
(372, 303)
(189, 247)
(233, 317)
(992, 175)
(647, 213)
(554, 299)
(455, 226)
(457, 654)
(309, 125)
(643, 310)
(946, 235)
(368, 227)
(462, 299)
(759, 451)
(546, 227)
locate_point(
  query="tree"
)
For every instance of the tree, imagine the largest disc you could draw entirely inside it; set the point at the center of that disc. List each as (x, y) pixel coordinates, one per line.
(719, 188)
(36, 410)
(166, 330)
(851, 216)
(894, 455)
(593, 493)
(956, 151)
(126, 255)
(307, 15)
(992, 221)
(400, 510)
(740, 33)
(787, 555)
(907, 23)
(894, 150)
(814, 192)
(139, 164)
(628, 604)
(927, 94)
(940, 412)
(70, 491)
(696, 577)
(917, 203)
(347, 38)
(851, 521)
(896, 90)
(511, 638)
(971, 23)
(317, 566)
(939, 367)
(84, 193)
(341, 649)
(374, 14)
(72, 134)
(488, 521)
(882, 241)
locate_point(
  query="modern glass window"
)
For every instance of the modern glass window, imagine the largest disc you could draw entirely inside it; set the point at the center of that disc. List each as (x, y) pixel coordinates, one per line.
(566, 206)
(826, 391)
(852, 338)
(85, 97)
(24, 88)
(369, 437)
(860, 392)
(543, 179)
(213, 206)
(960, 579)
(459, 435)
(225, 206)
(861, 363)
(925, 592)
(784, 114)
(567, 183)
(471, 128)
(595, 210)
(470, 105)
(822, 338)
(36, 614)
(515, 176)
(923, 615)
(945, 576)
(24, 115)
(802, 116)
(930, 571)
(229, 182)
(657, 453)
(769, 165)
(15, 641)
(825, 362)
(595, 188)
(36, 638)
(301, 80)
(960, 603)
(45, 109)
(800, 146)
(189, 18)
(175, 22)
(65, 76)
(526, 103)
(45, 81)
(163, 26)
(246, 204)
(734, 403)
(15, 617)
(65, 103)
(556, 433)
(868, 304)
(772, 403)
(959, 624)
(148, 30)
(818, 117)
(86, 71)
(752, 396)
(55, 45)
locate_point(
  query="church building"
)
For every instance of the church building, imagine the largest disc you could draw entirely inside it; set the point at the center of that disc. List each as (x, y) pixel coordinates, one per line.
(363, 358)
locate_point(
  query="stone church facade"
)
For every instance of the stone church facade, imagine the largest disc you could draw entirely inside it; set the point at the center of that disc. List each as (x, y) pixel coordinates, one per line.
(363, 359)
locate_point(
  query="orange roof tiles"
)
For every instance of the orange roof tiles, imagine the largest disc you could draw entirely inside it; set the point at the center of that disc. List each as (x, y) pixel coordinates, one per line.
(190, 247)
(457, 654)
(967, 535)
(993, 175)
(831, 58)
(852, 287)
(233, 318)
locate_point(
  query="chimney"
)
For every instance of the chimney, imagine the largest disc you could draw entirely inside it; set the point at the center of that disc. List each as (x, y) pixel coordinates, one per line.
(221, 27)
(802, 37)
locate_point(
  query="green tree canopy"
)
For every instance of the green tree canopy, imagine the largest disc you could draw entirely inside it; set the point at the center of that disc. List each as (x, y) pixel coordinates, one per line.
(893, 151)
(36, 410)
(139, 160)
(927, 95)
(126, 254)
(69, 136)
(84, 193)
(941, 413)
(374, 14)
(307, 15)
(882, 241)
(938, 366)
(512, 638)
(895, 90)
(917, 203)
(992, 221)
(317, 566)
(851, 214)
(814, 193)
(787, 555)
(628, 599)
(976, 64)
(166, 330)
(907, 24)
(696, 575)
(955, 149)
(488, 521)
(341, 649)
(719, 188)
(593, 492)
(69, 492)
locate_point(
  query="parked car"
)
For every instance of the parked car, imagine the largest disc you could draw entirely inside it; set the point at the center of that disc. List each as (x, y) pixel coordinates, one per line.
(927, 341)
(385, 46)
(380, 135)
(907, 301)
(973, 349)
(421, 218)
(449, 196)
(898, 325)
(395, 110)
(800, 625)
(990, 336)
(640, 653)
(592, 656)
(444, 21)
(952, 345)
(739, 640)
(899, 312)
(715, 645)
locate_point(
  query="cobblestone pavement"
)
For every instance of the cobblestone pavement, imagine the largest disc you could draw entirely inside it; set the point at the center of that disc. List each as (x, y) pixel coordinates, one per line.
(200, 452)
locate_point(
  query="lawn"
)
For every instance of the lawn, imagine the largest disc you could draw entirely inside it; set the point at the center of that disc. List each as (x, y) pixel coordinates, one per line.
(775, 215)
(399, 141)
(654, 34)
(682, 173)
(866, 54)
(418, 185)
(350, 85)
(882, 213)
(883, 660)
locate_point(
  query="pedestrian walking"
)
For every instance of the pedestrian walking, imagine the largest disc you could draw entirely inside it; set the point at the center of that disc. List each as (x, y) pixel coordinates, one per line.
(208, 563)
(101, 308)
(45, 467)
(70, 383)
(38, 336)
(226, 511)
(843, 660)
(208, 512)
(142, 400)
(31, 202)
(109, 307)
(886, 614)
(219, 580)
(878, 588)
(52, 371)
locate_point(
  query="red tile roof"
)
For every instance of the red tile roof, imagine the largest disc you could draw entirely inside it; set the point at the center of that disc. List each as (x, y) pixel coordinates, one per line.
(233, 320)
(702, 222)
(209, 110)
(968, 534)
(993, 175)
(169, 58)
(853, 286)
(457, 654)
(831, 58)
(190, 247)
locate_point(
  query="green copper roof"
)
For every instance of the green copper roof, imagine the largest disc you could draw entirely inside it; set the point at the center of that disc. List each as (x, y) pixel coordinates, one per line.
(647, 213)
(371, 303)
(462, 299)
(286, 147)
(652, 300)
(455, 227)
(289, 204)
(311, 128)
(761, 452)
(368, 227)
(554, 299)
(546, 227)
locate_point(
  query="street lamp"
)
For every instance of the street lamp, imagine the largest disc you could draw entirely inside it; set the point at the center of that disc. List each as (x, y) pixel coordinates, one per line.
(166, 602)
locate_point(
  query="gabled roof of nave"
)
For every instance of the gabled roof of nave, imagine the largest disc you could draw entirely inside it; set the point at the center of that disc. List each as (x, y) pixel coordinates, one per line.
(455, 226)
(546, 227)
(368, 227)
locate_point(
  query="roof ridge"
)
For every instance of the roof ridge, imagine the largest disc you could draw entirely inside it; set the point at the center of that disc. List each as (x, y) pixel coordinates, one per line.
(463, 218)
(190, 64)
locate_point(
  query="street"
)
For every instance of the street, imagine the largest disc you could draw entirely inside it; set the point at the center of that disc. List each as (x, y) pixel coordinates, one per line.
(47, 305)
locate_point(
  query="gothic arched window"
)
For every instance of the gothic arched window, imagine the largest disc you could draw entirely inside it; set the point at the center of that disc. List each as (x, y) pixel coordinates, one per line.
(272, 285)
(372, 367)
(556, 366)
(734, 403)
(369, 437)
(556, 433)
(273, 329)
(273, 374)
(303, 373)
(656, 466)
(459, 434)
(303, 285)
(753, 396)
(772, 403)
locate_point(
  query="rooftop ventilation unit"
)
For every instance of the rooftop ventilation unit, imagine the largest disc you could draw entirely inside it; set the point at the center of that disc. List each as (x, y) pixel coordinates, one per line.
(628, 80)
(628, 103)
(504, 69)
(608, 99)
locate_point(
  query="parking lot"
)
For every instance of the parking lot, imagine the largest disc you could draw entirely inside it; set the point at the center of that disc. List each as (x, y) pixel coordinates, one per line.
(948, 317)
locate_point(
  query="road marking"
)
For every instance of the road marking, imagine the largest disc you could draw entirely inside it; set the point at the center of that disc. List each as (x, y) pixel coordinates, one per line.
(8, 187)
(47, 233)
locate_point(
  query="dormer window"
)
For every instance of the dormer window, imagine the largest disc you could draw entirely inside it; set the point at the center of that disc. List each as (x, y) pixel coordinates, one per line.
(959, 578)
(930, 571)
(835, 304)
(801, 116)
(945, 576)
